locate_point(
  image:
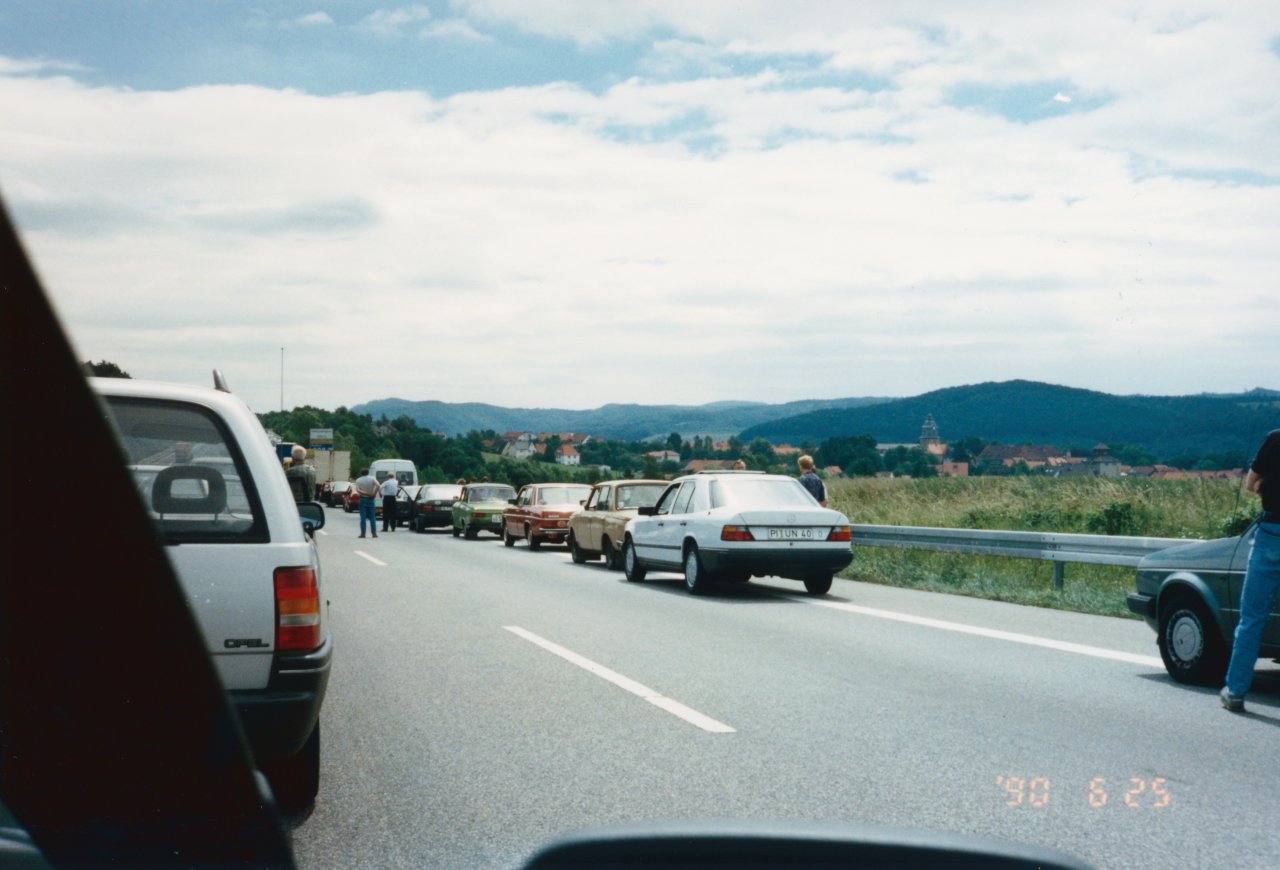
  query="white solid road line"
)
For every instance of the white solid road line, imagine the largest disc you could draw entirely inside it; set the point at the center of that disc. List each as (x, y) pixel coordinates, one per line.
(363, 555)
(675, 708)
(1014, 637)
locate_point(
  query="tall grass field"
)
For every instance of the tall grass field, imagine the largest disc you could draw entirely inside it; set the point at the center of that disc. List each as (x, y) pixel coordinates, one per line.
(1099, 506)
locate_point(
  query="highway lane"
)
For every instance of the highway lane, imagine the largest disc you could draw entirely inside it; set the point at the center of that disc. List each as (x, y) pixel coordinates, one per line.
(451, 740)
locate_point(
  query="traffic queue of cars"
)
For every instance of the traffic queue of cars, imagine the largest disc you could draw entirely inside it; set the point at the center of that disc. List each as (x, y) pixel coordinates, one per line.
(711, 526)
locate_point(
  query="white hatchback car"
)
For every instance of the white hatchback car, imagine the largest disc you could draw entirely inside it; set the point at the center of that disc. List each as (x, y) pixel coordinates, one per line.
(736, 525)
(212, 484)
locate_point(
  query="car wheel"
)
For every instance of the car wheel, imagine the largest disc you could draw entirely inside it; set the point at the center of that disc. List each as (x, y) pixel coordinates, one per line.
(695, 578)
(1190, 644)
(296, 780)
(531, 539)
(470, 532)
(508, 539)
(631, 563)
(456, 530)
(575, 552)
(819, 584)
(612, 560)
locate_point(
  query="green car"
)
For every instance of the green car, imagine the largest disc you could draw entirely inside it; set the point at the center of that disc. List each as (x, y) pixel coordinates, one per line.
(480, 508)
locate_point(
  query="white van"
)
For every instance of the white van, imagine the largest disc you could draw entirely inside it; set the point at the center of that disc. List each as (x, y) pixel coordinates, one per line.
(404, 470)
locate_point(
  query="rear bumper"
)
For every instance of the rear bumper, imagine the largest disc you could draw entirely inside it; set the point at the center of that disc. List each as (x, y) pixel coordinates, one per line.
(793, 563)
(277, 720)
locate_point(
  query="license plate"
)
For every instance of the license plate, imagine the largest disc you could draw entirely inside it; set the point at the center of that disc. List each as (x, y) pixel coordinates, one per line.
(792, 534)
(496, 518)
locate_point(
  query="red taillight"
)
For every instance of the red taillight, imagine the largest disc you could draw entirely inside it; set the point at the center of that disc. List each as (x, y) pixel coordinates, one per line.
(840, 533)
(736, 533)
(297, 609)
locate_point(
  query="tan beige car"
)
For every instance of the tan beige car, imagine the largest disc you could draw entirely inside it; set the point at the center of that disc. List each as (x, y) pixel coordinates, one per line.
(596, 530)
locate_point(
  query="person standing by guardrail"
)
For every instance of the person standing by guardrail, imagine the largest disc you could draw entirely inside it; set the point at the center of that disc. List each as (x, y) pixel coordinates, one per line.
(809, 480)
(1261, 577)
(367, 487)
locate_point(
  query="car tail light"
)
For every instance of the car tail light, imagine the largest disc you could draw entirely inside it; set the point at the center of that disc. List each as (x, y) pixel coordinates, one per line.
(840, 533)
(297, 609)
(736, 533)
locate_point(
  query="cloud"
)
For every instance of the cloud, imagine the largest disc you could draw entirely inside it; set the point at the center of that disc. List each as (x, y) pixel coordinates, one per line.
(1060, 97)
(691, 201)
(314, 19)
(455, 29)
(390, 22)
(11, 66)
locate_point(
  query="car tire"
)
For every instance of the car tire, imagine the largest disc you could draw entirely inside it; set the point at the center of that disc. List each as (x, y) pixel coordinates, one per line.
(531, 539)
(576, 553)
(456, 530)
(612, 560)
(631, 564)
(818, 584)
(295, 780)
(508, 539)
(695, 576)
(470, 532)
(1190, 644)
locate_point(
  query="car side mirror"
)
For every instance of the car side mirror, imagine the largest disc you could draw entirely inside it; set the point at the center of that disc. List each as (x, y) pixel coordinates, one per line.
(511, 501)
(648, 511)
(312, 515)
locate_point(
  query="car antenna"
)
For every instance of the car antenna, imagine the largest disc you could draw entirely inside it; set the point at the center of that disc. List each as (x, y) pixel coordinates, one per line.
(219, 382)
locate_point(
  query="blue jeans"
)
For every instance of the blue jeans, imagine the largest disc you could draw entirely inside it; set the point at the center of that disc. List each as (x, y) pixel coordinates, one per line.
(1261, 580)
(369, 511)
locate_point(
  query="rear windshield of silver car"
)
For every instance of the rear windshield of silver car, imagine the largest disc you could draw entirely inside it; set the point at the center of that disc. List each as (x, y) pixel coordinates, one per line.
(756, 492)
(439, 493)
(189, 474)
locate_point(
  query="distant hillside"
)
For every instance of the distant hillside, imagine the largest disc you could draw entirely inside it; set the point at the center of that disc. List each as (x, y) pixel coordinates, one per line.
(1016, 412)
(624, 422)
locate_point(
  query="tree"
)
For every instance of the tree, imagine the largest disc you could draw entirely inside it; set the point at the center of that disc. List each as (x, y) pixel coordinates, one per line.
(104, 369)
(856, 455)
(674, 442)
(552, 449)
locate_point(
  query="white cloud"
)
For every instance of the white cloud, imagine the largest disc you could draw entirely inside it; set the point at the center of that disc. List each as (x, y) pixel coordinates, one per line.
(314, 19)
(861, 240)
(389, 22)
(454, 28)
(1060, 97)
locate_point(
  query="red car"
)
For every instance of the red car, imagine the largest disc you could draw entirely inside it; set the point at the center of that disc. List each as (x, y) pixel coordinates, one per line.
(540, 513)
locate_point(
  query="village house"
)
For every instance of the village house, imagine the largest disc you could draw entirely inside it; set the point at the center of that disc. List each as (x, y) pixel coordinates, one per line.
(568, 455)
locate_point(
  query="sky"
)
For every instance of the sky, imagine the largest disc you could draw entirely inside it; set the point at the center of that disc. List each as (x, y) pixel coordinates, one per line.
(566, 204)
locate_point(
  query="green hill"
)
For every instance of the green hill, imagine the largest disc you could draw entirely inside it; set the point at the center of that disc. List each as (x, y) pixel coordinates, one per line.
(1018, 412)
(614, 421)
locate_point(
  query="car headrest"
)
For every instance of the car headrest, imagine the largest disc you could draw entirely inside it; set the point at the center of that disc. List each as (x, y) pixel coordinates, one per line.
(163, 501)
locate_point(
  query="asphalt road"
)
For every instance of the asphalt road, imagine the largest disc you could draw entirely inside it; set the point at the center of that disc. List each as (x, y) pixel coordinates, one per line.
(486, 699)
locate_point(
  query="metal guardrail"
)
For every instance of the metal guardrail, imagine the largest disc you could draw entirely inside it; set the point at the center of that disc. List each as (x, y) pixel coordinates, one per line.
(1045, 546)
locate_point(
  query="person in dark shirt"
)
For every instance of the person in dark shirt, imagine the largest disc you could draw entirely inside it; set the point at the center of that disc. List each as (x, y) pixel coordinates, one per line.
(302, 477)
(810, 480)
(1262, 576)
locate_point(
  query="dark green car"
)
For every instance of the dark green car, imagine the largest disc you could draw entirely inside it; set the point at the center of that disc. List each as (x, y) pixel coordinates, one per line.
(1190, 596)
(480, 508)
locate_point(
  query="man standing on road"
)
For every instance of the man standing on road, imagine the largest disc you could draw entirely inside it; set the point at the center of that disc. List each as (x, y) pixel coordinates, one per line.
(389, 487)
(301, 477)
(1261, 577)
(810, 480)
(367, 487)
